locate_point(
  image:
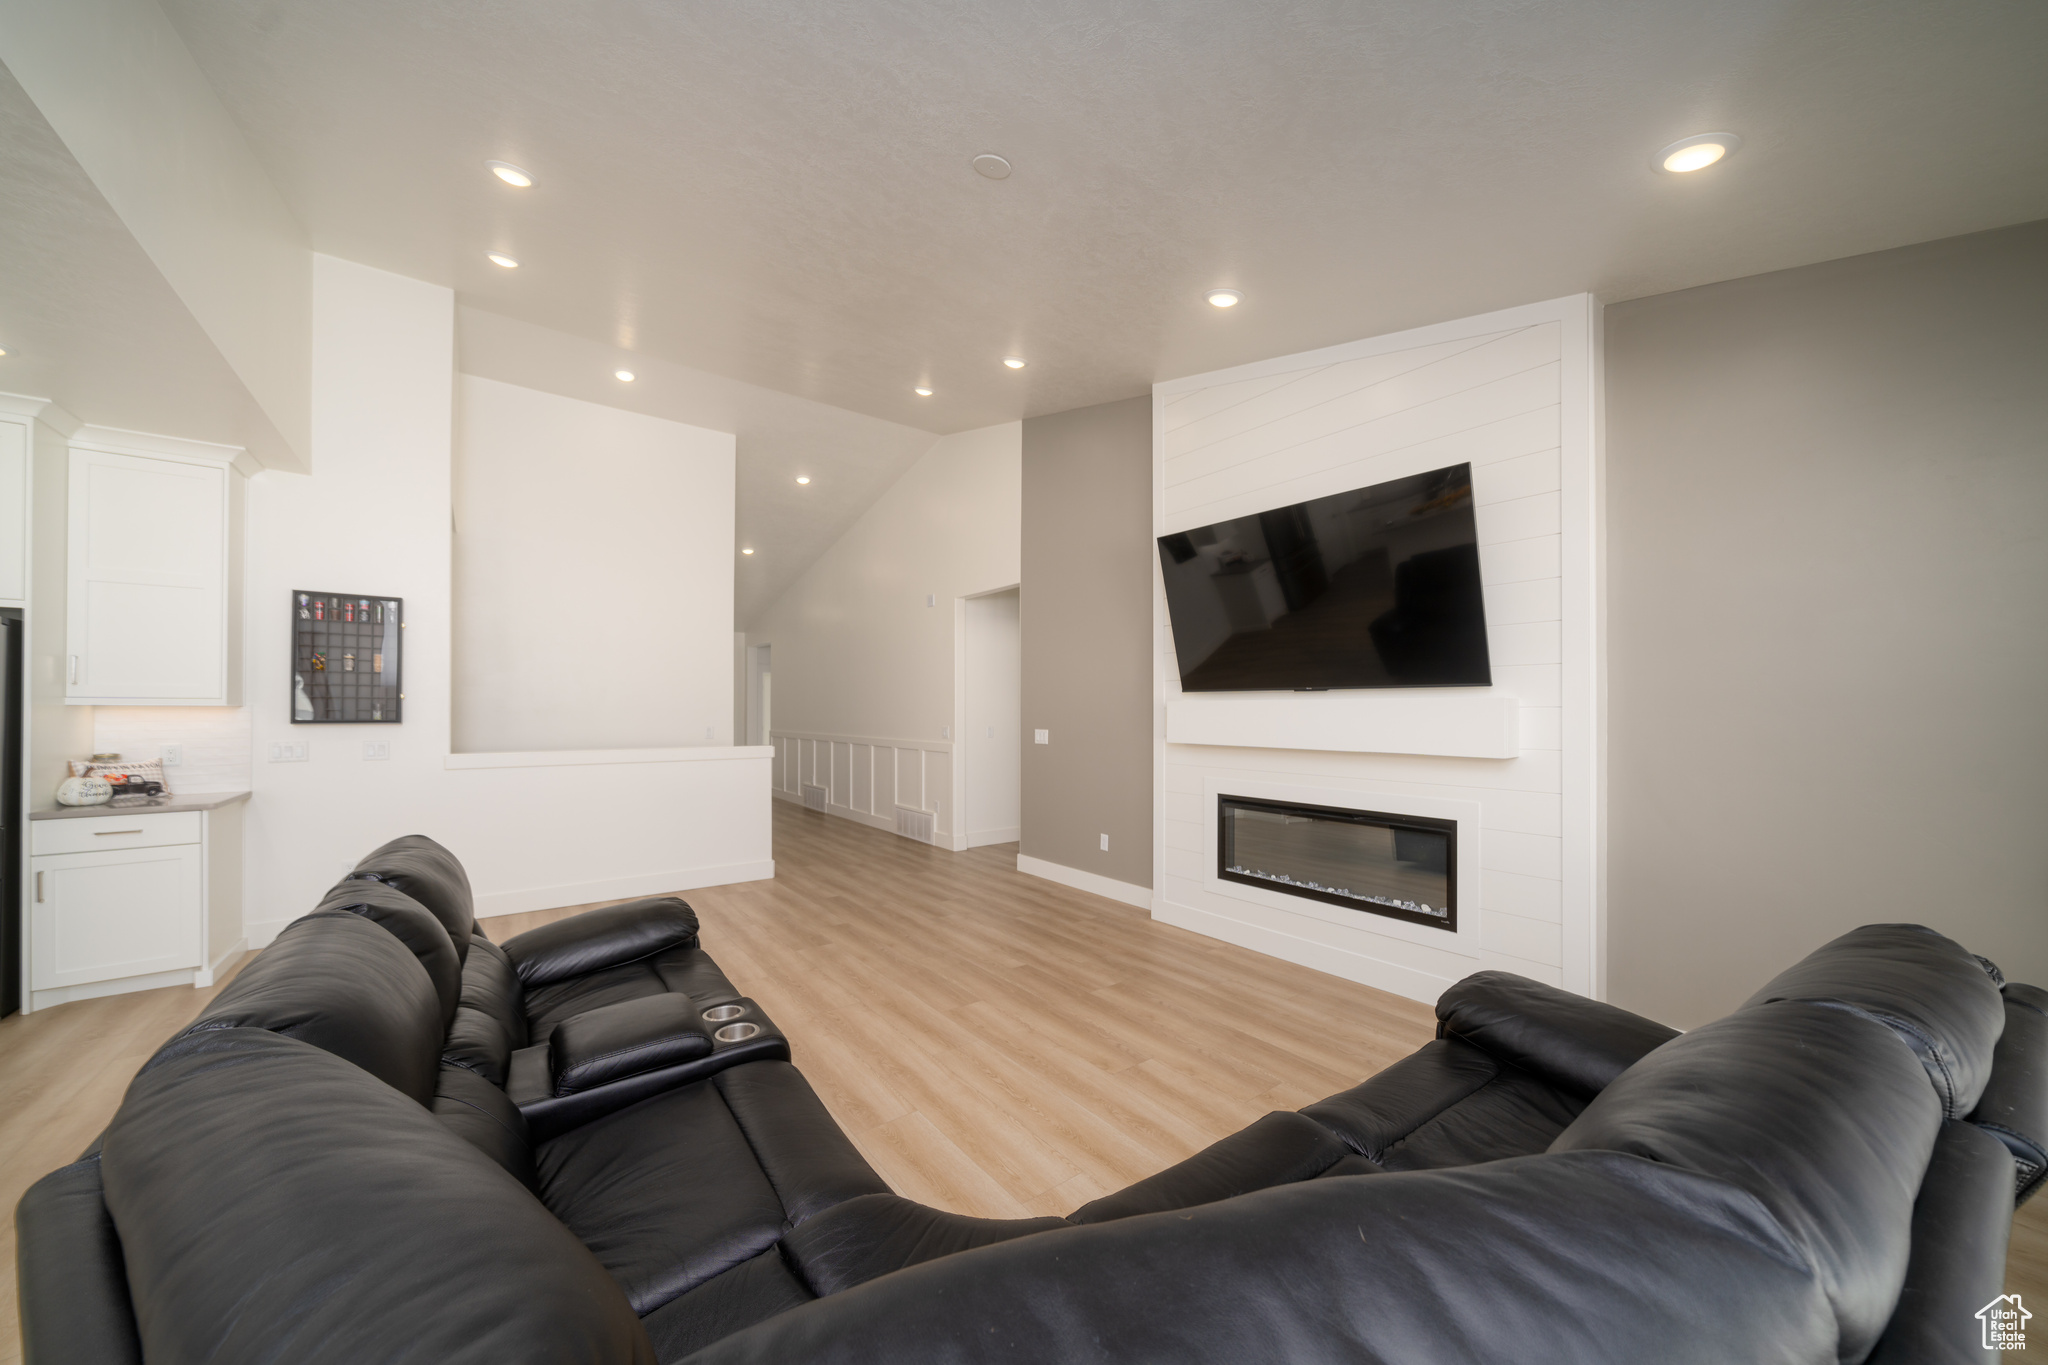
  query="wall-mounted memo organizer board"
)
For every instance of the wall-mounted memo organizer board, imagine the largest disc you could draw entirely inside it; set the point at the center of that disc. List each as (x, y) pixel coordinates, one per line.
(347, 649)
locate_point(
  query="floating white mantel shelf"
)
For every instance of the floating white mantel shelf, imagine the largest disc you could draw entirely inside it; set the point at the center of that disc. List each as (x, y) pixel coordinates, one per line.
(1475, 725)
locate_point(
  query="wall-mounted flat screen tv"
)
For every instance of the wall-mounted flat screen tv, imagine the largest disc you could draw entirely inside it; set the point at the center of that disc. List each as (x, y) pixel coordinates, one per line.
(1377, 587)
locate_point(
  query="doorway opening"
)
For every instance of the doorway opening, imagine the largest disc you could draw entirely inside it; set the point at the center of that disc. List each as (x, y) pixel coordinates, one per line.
(758, 689)
(991, 735)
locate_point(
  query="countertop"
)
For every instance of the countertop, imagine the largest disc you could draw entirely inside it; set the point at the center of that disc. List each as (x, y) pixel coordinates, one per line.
(172, 805)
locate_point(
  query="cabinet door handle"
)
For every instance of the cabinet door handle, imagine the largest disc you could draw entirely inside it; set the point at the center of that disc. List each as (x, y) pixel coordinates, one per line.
(74, 668)
(39, 888)
(109, 833)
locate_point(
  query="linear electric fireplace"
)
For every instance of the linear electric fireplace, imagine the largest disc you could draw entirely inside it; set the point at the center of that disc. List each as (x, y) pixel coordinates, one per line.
(1404, 867)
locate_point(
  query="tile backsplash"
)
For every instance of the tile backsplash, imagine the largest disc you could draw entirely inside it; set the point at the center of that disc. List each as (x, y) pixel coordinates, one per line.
(215, 741)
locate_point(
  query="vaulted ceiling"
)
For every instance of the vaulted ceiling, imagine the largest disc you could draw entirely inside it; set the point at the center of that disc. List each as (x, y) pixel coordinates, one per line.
(780, 191)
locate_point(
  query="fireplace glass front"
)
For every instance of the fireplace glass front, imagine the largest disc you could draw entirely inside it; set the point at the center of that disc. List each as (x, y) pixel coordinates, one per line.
(1400, 866)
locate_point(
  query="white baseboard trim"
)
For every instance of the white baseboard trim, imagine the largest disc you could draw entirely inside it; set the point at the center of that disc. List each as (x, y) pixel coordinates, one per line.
(1366, 971)
(1092, 882)
(994, 836)
(93, 990)
(621, 888)
(210, 973)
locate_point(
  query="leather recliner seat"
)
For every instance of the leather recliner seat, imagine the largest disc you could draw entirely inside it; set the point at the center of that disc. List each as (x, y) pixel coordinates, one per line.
(392, 1139)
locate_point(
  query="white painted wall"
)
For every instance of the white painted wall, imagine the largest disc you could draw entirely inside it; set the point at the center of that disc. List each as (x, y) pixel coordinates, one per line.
(593, 575)
(990, 758)
(1511, 393)
(533, 830)
(117, 84)
(867, 675)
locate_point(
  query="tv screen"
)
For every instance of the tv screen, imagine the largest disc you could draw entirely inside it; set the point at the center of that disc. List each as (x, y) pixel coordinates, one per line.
(1378, 587)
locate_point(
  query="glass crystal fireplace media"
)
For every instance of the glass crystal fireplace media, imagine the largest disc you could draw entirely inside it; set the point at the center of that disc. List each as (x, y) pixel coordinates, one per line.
(1401, 866)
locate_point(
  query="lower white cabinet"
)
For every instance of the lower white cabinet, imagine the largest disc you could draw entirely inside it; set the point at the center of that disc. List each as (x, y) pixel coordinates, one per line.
(131, 900)
(124, 912)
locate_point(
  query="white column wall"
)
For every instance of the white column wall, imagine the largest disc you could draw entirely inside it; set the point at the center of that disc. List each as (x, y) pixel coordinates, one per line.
(533, 830)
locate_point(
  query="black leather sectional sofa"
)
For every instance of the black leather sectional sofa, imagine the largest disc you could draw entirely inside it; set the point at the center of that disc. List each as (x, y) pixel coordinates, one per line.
(390, 1139)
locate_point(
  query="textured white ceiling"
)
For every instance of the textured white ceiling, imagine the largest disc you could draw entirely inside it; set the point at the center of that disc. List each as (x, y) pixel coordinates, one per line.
(86, 319)
(850, 459)
(779, 191)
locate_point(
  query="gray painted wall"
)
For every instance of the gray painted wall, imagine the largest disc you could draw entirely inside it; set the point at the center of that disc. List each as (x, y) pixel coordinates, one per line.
(1087, 639)
(1827, 511)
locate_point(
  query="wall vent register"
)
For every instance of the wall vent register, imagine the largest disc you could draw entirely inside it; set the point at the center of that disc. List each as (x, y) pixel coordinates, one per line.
(1404, 867)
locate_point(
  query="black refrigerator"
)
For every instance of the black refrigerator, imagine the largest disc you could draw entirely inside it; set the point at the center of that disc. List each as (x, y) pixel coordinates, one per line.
(13, 828)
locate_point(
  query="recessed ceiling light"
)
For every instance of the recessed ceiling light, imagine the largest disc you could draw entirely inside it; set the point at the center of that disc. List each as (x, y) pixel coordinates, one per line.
(510, 174)
(500, 258)
(803, 478)
(1695, 153)
(1224, 298)
(920, 390)
(1015, 362)
(749, 550)
(623, 376)
(992, 166)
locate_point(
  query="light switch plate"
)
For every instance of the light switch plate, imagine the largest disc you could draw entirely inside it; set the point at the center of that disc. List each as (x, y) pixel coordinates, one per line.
(1041, 736)
(1105, 843)
(293, 752)
(376, 750)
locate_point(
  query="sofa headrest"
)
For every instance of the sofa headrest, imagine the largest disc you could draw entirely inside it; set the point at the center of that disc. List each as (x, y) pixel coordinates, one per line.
(1926, 988)
(274, 1203)
(597, 939)
(415, 926)
(341, 983)
(429, 874)
(1574, 1043)
(1814, 1110)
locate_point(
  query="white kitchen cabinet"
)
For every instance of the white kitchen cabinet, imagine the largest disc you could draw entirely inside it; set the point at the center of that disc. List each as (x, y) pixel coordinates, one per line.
(14, 442)
(126, 900)
(152, 610)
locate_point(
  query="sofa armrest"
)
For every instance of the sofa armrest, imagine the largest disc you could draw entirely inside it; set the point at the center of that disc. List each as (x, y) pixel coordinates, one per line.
(1576, 1044)
(1961, 1221)
(74, 1288)
(741, 1034)
(610, 1044)
(2014, 1106)
(598, 939)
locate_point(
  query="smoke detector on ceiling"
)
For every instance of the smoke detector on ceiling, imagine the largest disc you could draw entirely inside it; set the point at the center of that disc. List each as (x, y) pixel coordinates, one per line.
(992, 166)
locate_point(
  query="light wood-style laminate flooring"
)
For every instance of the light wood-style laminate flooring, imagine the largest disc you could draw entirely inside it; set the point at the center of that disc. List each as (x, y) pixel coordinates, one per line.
(994, 1043)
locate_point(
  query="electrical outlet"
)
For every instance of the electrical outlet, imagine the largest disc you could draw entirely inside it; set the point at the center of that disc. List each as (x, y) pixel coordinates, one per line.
(376, 750)
(293, 752)
(931, 599)
(173, 755)
(945, 732)
(1041, 736)
(710, 734)
(1105, 843)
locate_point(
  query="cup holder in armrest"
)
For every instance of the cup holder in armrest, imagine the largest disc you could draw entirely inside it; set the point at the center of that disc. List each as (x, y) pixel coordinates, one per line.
(736, 1032)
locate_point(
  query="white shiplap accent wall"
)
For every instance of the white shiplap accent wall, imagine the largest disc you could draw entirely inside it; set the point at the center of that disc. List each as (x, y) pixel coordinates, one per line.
(865, 779)
(1513, 394)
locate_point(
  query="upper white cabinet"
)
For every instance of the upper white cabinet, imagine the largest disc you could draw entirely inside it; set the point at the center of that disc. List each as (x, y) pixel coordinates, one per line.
(152, 609)
(14, 434)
